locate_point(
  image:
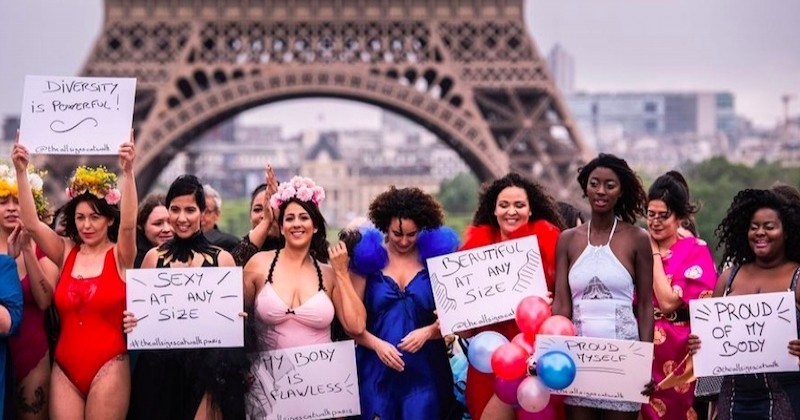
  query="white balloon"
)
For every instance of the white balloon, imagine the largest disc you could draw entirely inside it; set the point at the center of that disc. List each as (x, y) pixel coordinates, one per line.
(533, 395)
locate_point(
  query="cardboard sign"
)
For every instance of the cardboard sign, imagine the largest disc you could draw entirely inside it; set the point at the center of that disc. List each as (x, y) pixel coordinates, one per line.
(744, 334)
(310, 382)
(484, 285)
(185, 307)
(607, 369)
(76, 115)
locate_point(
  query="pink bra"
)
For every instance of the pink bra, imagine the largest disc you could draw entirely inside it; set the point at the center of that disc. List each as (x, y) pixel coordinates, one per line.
(284, 327)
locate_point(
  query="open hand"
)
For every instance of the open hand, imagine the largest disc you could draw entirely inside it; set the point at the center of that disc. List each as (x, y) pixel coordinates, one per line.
(18, 240)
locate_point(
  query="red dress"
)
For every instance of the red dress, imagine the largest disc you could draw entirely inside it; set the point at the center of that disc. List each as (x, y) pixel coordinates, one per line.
(91, 320)
(480, 386)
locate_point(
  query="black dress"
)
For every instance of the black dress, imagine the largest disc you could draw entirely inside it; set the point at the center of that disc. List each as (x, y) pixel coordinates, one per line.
(170, 384)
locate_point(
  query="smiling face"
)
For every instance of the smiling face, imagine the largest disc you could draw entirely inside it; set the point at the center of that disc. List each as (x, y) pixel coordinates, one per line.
(157, 228)
(257, 208)
(766, 236)
(297, 226)
(512, 210)
(662, 223)
(9, 213)
(603, 190)
(184, 216)
(402, 235)
(92, 226)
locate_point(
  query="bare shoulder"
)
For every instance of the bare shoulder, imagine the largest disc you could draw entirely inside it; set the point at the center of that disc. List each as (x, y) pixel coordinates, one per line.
(634, 232)
(225, 259)
(259, 260)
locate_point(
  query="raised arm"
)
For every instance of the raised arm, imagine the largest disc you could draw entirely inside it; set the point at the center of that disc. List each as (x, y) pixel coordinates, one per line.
(644, 285)
(349, 307)
(128, 206)
(52, 244)
(562, 301)
(668, 300)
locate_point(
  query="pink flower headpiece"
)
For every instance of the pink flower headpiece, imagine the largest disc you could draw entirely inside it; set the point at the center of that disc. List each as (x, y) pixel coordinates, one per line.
(304, 189)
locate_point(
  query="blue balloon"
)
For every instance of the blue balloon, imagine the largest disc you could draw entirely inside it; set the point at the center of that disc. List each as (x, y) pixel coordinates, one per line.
(556, 369)
(481, 348)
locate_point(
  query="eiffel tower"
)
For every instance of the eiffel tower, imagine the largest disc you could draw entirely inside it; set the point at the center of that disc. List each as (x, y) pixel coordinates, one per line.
(466, 70)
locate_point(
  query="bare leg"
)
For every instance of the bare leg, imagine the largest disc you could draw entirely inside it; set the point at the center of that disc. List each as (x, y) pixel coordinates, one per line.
(110, 391)
(497, 410)
(33, 392)
(66, 401)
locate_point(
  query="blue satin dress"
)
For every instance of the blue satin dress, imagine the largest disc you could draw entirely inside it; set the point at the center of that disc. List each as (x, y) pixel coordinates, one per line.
(424, 390)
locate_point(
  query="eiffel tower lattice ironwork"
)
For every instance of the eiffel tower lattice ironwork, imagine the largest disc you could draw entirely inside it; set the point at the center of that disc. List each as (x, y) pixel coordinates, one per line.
(466, 70)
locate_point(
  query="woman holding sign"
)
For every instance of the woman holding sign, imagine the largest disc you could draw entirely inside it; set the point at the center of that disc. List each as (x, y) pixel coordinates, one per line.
(402, 359)
(760, 235)
(601, 265)
(28, 348)
(511, 207)
(91, 375)
(683, 270)
(193, 383)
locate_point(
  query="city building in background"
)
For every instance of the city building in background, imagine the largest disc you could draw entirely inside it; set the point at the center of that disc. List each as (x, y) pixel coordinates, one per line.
(562, 67)
(352, 165)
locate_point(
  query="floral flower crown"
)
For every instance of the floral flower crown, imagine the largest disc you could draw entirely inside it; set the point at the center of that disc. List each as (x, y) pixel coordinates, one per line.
(304, 189)
(99, 182)
(9, 187)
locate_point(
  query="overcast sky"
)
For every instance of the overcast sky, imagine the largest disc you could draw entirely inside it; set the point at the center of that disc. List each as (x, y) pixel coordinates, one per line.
(748, 47)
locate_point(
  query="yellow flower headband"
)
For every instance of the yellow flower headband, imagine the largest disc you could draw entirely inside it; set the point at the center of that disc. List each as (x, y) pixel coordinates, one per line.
(9, 187)
(99, 181)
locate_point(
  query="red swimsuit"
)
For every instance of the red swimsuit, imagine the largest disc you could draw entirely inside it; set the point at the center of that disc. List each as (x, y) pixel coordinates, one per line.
(91, 321)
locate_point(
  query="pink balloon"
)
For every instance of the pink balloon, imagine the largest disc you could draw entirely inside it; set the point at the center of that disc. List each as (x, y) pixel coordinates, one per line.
(509, 361)
(548, 413)
(532, 395)
(531, 312)
(522, 341)
(506, 389)
(558, 325)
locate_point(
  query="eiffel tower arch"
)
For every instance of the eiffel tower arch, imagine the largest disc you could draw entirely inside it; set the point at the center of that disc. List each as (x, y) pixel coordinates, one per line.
(466, 70)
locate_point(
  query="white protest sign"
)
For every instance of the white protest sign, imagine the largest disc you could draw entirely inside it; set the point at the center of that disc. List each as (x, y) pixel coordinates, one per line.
(744, 334)
(76, 115)
(185, 307)
(484, 285)
(606, 368)
(310, 382)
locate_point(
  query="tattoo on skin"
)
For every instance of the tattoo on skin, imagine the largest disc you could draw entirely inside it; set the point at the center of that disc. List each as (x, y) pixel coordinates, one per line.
(37, 405)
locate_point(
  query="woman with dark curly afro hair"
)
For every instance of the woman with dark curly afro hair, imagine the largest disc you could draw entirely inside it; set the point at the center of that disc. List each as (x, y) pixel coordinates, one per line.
(402, 359)
(601, 265)
(760, 235)
(511, 207)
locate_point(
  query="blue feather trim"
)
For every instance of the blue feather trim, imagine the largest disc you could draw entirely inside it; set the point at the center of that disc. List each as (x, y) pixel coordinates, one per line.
(435, 242)
(369, 255)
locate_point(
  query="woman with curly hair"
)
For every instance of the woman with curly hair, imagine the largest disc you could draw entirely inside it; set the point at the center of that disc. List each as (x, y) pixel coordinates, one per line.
(511, 207)
(683, 270)
(760, 236)
(402, 359)
(601, 266)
